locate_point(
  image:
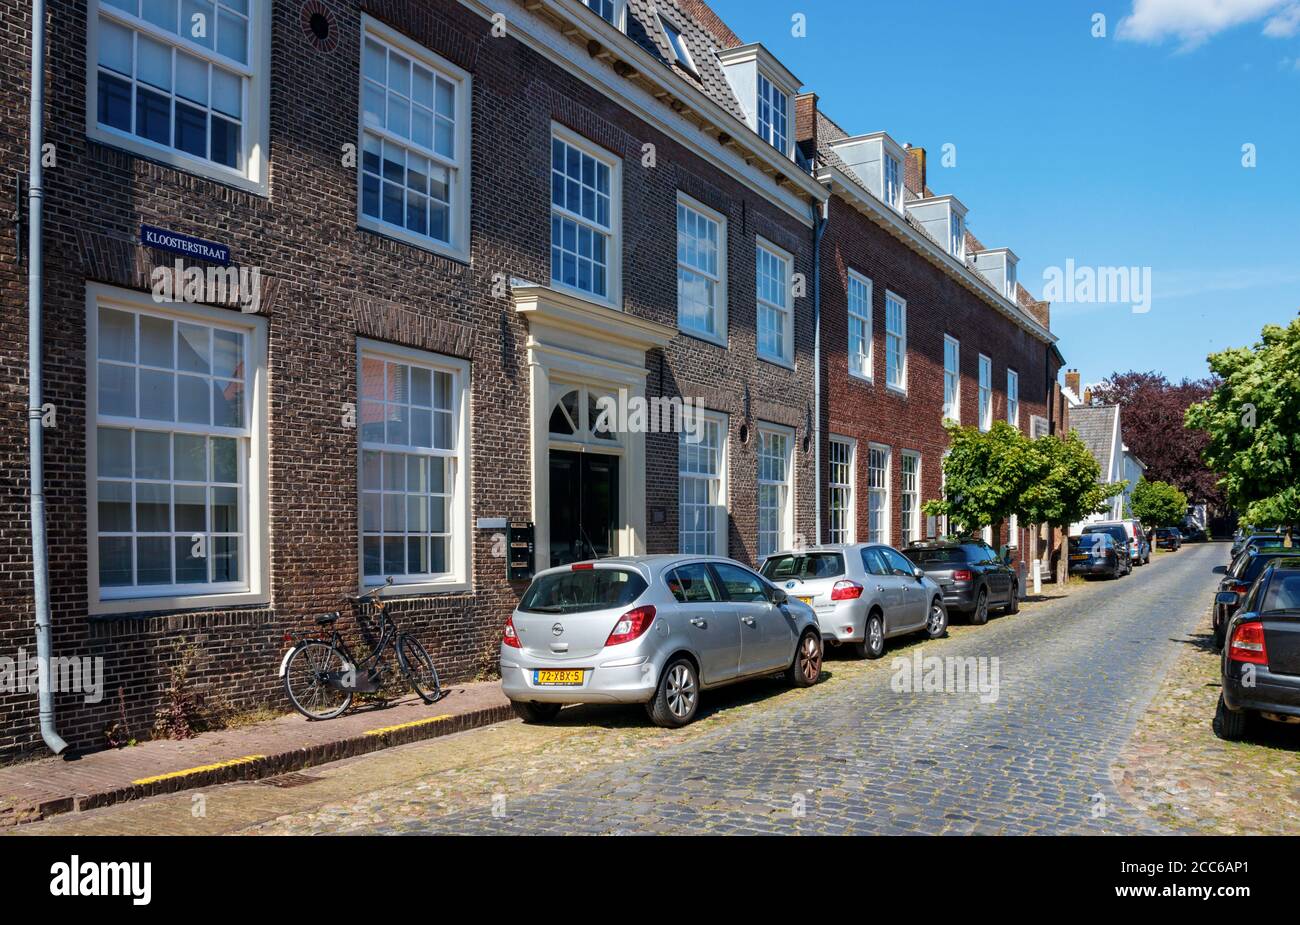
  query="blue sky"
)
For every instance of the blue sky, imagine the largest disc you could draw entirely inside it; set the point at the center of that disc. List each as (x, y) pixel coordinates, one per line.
(1116, 151)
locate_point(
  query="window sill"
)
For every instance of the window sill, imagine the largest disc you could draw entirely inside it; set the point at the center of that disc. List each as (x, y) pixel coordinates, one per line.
(615, 304)
(713, 339)
(417, 589)
(169, 157)
(899, 390)
(218, 601)
(401, 236)
(776, 361)
(865, 380)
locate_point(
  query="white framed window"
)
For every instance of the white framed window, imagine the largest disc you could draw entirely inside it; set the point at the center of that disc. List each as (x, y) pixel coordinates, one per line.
(586, 199)
(1010, 291)
(860, 346)
(956, 236)
(893, 182)
(702, 473)
(413, 175)
(877, 493)
(909, 497)
(842, 457)
(986, 393)
(773, 115)
(775, 489)
(184, 83)
(681, 52)
(414, 468)
(951, 379)
(612, 11)
(1013, 398)
(176, 454)
(895, 342)
(775, 327)
(1013, 531)
(701, 270)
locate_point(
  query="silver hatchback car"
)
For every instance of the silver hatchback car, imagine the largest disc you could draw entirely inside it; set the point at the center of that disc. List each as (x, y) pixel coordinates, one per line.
(656, 630)
(862, 593)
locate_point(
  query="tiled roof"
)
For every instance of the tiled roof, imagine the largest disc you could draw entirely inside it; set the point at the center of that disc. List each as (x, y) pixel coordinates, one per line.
(703, 45)
(1096, 427)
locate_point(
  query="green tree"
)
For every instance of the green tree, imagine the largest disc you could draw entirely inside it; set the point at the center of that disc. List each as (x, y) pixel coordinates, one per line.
(985, 473)
(1253, 419)
(1158, 504)
(1065, 488)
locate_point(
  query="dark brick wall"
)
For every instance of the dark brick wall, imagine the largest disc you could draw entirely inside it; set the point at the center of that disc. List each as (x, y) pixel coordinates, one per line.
(328, 282)
(936, 305)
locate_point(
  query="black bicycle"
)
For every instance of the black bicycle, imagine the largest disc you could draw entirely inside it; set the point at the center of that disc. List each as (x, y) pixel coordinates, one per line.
(321, 676)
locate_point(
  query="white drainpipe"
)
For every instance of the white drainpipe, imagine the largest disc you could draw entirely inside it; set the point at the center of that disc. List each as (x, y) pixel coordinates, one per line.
(36, 434)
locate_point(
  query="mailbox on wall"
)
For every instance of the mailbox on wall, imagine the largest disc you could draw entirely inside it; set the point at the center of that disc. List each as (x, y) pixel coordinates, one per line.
(521, 549)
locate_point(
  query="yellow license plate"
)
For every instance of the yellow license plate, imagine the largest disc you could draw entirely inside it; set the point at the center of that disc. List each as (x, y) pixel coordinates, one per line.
(1078, 558)
(567, 678)
(806, 600)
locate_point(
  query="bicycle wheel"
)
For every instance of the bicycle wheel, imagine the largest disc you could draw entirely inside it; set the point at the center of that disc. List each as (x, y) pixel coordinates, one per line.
(418, 668)
(305, 680)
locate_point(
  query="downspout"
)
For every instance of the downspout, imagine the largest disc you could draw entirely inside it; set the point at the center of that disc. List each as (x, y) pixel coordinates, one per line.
(36, 435)
(820, 217)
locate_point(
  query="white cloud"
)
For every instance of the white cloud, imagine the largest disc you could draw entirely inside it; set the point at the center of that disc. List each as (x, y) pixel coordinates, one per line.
(1193, 22)
(1285, 24)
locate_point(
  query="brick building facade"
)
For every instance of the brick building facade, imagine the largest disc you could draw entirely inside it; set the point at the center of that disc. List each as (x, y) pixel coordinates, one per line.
(467, 220)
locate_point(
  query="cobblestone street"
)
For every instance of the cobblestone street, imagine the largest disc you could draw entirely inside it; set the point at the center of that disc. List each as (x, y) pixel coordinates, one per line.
(849, 755)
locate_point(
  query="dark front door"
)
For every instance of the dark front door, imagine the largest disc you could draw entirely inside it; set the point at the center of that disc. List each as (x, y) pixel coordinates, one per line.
(584, 506)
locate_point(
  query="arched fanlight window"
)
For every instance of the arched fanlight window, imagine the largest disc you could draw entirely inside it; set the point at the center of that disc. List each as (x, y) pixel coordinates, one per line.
(576, 414)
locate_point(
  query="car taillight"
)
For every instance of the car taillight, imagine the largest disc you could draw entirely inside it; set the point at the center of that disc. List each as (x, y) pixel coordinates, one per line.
(846, 591)
(581, 567)
(962, 574)
(508, 635)
(1248, 644)
(1238, 587)
(631, 625)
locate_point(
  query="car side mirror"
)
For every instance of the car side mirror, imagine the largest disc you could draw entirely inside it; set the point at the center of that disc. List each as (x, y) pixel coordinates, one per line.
(1226, 598)
(779, 597)
(917, 572)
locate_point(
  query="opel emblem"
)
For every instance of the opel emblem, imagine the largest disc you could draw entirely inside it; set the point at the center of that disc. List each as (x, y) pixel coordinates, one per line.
(557, 629)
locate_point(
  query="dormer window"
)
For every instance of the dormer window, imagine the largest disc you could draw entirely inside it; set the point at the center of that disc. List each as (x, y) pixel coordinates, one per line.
(773, 115)
(681, 52)
(893, 181)
(765, 91)
(1011, 281)
(609, 10)
(998, 266)
(956, 236)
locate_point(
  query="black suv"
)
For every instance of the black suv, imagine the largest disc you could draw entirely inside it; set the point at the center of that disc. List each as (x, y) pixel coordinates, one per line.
(971, 575)
(1169, 538)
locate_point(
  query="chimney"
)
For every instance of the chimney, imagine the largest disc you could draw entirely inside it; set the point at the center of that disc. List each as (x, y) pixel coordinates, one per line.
(1072, 380)
(1087, 395)
(805, 120)
(914, 170)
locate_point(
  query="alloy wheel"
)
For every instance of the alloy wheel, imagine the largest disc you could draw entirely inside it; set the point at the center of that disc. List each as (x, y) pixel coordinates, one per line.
(810, 658)
(876, 634)
(937, 616)
(681, 691)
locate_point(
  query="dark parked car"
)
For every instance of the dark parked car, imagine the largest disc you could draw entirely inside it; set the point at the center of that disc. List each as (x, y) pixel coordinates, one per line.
(1240, 544)
(1099, 554)
(1124, 532)
(972, 576)
(1249, 565)
(1192, 533)
(1168, 538)
(1261, 662)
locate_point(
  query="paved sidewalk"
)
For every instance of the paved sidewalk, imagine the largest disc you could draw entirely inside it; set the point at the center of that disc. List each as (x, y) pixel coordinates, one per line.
(48, 786)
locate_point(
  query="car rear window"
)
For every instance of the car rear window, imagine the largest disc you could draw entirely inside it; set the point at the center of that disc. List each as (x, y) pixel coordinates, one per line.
(585, 589)
(1283, 592)
(937, 556)
(804, 565)
(1253, 566)
(1117, 533)
(1091, 540)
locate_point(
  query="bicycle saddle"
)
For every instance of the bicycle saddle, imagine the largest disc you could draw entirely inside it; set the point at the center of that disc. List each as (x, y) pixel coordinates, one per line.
(325, 619)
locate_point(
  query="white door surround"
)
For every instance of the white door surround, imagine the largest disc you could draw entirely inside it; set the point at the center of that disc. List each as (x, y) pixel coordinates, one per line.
(573, 341)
